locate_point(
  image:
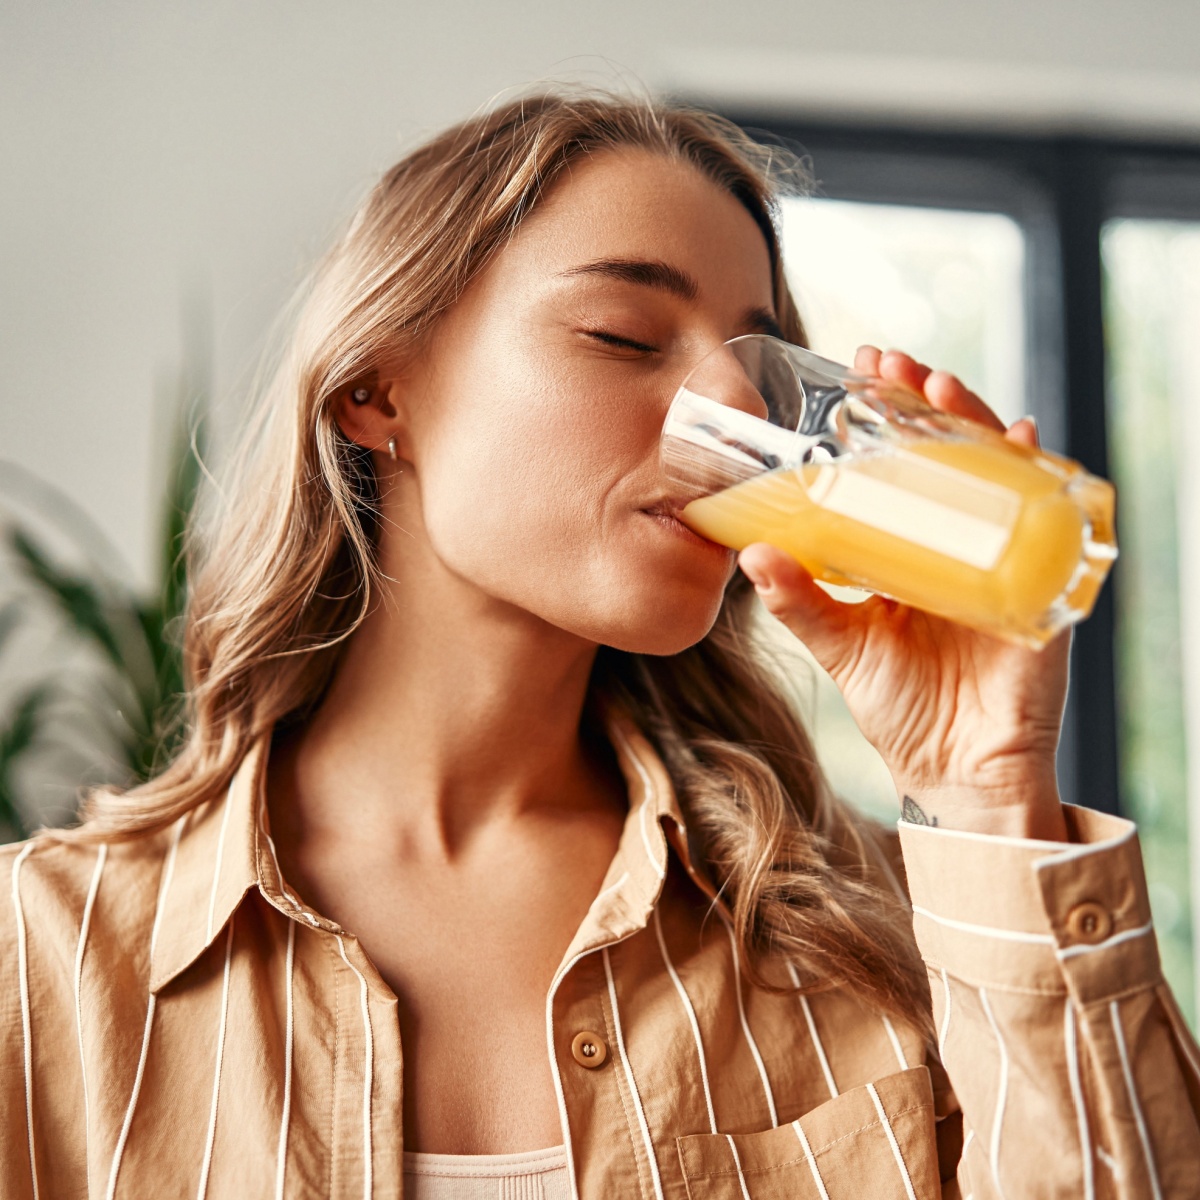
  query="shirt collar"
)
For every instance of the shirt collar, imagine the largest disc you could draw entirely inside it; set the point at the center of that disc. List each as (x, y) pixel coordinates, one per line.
(222, 849)
(211, 866)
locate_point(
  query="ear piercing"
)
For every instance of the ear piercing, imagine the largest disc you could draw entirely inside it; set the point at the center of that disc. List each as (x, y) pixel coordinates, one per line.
(361, 395)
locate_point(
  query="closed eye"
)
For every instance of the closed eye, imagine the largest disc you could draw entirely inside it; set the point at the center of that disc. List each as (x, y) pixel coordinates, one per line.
(615, 339)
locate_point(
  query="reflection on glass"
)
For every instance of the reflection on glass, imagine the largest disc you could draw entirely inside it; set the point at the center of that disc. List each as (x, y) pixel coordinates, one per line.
(1152, 313)
(948, 288)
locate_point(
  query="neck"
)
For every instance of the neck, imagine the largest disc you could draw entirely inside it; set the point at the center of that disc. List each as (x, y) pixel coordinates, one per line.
(449, 710)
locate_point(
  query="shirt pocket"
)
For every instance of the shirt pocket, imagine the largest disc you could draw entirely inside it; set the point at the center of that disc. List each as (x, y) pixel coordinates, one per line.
(877, 1141)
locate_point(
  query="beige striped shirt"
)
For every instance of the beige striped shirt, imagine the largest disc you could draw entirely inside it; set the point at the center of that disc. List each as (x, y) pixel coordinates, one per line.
(178, 1022)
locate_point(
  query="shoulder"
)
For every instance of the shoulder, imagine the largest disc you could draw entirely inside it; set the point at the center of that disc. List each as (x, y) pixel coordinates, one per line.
(52, 889)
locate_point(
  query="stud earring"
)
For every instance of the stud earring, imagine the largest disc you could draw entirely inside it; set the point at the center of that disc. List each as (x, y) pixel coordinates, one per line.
(392, 448)
(360, 395)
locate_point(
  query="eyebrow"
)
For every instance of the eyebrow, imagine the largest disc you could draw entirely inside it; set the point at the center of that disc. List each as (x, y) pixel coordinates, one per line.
(762, 320)
(654, 273)
(647, 272)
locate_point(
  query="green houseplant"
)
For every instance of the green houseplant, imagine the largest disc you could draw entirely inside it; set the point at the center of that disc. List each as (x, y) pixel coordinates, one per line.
(137, 635)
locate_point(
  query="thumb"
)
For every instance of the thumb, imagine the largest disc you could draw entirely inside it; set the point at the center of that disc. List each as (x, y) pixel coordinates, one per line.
(789, 593)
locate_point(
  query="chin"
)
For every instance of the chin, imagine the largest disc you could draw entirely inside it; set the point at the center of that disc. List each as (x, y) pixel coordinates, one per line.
(658, 628)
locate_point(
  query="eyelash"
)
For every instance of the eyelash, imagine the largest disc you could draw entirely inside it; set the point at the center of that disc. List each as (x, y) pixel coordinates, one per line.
(614, 339)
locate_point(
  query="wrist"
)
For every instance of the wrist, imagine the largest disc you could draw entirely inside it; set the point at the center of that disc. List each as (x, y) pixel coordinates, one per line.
(1022, 809)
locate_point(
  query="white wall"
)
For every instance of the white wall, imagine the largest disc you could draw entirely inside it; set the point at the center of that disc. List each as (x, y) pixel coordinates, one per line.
(152, 151)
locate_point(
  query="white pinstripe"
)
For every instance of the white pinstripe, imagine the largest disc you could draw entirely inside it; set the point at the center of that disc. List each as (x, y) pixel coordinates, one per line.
(899, 1049)
(1001, 1095)
(1004, 935)
(633, 1091)
(368, 1076)
(891, 1137)
(1143, 1133)
(818, 1045)
(945, 1029)
(84, 926)
(1116, 939)
(659, 869)
(647, 792)
(737, 1162)
(737, 982)
(990, 839)
(563, 1117)
(26, 1030)
(691, 1015)
(1081, 850)
(202, 1189)
(119, 1151)
(281, 1153)
(212, 899)
(1085, 1137)
(300, 909)
(812, 1162)
(613, 887)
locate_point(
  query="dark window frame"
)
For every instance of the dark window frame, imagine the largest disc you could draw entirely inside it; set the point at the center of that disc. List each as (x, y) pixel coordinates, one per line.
(1061, 190)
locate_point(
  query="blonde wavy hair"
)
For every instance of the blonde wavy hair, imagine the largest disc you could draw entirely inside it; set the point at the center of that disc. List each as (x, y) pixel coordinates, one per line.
(288, 568)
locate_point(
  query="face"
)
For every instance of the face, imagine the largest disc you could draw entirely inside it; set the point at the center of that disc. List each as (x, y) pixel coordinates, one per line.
(531, 424)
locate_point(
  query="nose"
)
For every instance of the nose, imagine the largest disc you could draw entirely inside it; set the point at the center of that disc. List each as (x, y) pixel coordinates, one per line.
(727, 377)
(718, 430)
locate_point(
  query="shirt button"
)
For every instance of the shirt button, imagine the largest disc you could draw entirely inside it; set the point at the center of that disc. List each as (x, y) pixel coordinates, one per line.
(589, 1049)
(1089, 923)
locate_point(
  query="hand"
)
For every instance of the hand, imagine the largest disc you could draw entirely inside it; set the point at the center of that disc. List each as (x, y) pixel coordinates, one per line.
(967, 724)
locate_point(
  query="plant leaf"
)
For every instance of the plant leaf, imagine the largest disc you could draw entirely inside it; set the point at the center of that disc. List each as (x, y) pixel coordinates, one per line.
(79, 599)
(15, 738)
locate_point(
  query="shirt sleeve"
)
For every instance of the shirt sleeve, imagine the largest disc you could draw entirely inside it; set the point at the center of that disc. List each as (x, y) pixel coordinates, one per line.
(1065, 1047)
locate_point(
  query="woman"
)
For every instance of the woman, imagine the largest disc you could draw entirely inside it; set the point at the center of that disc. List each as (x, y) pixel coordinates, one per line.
(494, 863)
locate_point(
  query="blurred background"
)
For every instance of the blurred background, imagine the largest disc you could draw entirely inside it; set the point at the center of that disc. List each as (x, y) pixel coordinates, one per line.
(1011, 191)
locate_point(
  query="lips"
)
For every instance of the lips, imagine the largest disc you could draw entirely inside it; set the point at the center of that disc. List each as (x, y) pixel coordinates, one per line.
(672, 506)
(663, 509)
(666, 513)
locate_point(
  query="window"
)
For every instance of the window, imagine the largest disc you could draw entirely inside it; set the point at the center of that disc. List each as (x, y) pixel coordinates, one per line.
(1059, 277)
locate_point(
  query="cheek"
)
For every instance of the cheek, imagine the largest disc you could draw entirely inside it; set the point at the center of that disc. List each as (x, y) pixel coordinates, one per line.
(531, 488)
(517, 475)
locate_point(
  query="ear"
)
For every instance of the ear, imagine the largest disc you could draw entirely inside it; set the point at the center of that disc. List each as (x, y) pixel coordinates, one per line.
(367, 413)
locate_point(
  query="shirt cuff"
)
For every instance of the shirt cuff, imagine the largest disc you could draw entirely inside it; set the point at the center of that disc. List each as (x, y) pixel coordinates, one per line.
(1035, 916)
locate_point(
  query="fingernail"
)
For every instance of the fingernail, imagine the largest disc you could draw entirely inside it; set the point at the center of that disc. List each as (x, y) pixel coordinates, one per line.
(1037, 433)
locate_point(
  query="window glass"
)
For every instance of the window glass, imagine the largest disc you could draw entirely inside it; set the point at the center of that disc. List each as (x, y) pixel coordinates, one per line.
(946, 286)
(1152, 312)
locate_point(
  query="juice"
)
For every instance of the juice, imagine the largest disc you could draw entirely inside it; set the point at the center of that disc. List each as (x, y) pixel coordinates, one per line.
(984, 535)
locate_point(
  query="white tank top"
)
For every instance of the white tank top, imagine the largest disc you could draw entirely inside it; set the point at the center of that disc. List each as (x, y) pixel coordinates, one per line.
(534, 1175)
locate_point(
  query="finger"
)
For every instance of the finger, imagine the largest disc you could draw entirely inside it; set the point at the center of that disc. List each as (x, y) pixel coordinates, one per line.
(1024, 432)
(866, 360)
(826, 626)
(899, 367)
(948, 393)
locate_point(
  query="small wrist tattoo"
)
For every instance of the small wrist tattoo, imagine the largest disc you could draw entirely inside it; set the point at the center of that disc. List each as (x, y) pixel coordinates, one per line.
(914, 814)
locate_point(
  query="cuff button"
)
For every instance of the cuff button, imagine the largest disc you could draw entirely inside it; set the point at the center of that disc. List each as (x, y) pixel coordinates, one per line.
(1089, 923)
(589, 1049)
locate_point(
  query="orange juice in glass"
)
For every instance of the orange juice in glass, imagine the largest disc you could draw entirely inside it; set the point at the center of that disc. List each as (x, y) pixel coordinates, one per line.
(865, 484)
